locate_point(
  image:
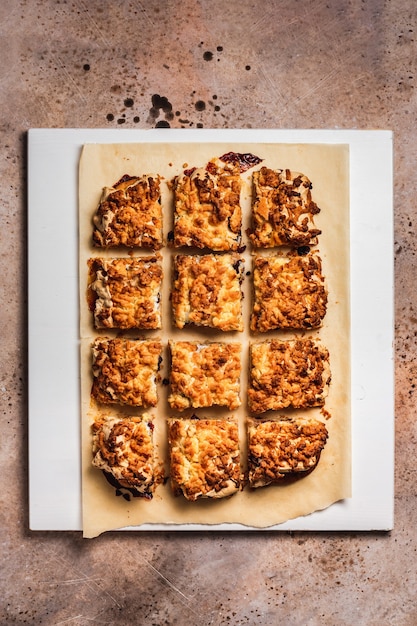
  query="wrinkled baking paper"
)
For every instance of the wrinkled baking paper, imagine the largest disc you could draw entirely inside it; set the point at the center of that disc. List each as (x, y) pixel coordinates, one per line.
(327, 166)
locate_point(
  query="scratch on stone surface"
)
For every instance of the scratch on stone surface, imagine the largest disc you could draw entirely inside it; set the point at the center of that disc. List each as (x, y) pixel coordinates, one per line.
(70, 581)
(93, 22)
(91, 583)
(145, 13)
(254, 27)
(268, 18)
(181, 595)
(317, 85)
(70, 78)
(70, 619)
(274, 88)
(358, 78)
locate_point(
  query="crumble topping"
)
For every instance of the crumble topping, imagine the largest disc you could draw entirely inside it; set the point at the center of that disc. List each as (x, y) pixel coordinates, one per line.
(204, 375)
(207, 207)
(130, 214)
(204, 457)
(288, 374)
(277, 448)
(126, 293)
(123, 447)
(207, 291)
(289, 292)
(125, 371)
(282, 209)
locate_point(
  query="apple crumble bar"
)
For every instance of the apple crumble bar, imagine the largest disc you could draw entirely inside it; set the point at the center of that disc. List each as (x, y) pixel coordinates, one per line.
(204, 374)
(125, 293)
(123, 447)
(207, 211)
(288, 374)
(125, 371)
(130, 214)
(207, 291)
(289, 292)
(278, 448)
(282, 209)
(204, 457)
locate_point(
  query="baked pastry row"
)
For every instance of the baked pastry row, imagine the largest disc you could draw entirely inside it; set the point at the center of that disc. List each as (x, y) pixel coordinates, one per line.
(204, 454)
(289, 292)
(282, 374)
(207, 210)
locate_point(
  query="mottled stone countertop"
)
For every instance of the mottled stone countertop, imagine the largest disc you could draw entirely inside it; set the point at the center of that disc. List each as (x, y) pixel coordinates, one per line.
(210, 64)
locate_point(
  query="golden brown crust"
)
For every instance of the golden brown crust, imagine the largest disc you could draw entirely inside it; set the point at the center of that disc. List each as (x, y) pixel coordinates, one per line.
(123, 447)
(207, 291)
(204, 457)
(204, 375)
(125, 293)
(282, 209)
(278, 448)
(207, 207)
(126, 371)
(288, 374)
(130, 214)
(289, 292)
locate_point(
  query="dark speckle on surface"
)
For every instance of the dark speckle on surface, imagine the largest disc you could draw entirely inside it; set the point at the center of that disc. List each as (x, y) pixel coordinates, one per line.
(129, 102)
(160, 103)
(200, 105)
(86, 67)
(208, 56)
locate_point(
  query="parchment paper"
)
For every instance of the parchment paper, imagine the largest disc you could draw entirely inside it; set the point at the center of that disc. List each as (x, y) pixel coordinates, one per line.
(327, 166)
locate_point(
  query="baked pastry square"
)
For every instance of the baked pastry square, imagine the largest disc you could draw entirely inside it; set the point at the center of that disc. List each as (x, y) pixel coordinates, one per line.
(289, 292)
(123, 448)
(207, 291)
(130, 214)
(204, 374)
(282, 447)
(288, 374)
(204, 457)
(282, 209)
(207, 211)
(126, 371)
(125, 293)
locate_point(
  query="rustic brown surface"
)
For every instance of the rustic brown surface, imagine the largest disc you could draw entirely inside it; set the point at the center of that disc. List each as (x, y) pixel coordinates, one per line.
(306, 64)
